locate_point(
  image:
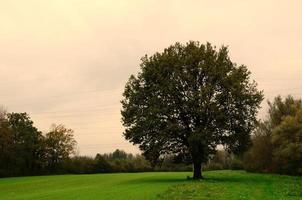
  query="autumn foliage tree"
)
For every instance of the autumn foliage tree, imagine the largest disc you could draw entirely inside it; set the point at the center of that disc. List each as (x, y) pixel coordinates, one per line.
(187, 100)
(60, 144)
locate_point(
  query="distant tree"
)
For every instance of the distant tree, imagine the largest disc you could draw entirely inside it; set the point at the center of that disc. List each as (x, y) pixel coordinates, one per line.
(259, 156)
(281, 108)
(102, 165)
(60, 144)
(79, 165)
(26, 146)
(287, 142)
(187, 100)
(2, 112)
(120, 154)
(275, 143)
(6, 146)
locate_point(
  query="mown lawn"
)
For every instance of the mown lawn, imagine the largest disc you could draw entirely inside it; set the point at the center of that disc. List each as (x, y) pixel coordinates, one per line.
(233, 185)
(173, 185)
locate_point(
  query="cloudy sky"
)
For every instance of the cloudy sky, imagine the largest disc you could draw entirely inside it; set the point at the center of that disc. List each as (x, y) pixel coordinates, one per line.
(68, 61)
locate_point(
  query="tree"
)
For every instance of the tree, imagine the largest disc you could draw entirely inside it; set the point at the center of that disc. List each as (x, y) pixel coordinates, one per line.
(120, 155)
(26, 143)
(102, 165)
(259, 156)
(60, 144)
(6, 144)
(287, 142)
(275, 143)
(279, 109)
(187, 100)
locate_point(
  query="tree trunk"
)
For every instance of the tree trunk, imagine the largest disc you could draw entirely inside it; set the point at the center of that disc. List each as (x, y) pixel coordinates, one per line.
(197, 171)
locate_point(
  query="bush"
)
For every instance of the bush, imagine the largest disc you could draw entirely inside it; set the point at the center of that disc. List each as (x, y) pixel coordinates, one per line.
(80, 165)
(236, 164)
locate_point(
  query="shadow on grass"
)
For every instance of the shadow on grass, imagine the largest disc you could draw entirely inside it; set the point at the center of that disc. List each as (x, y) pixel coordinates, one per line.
(208, 178)
(236, 179)
(157, 180)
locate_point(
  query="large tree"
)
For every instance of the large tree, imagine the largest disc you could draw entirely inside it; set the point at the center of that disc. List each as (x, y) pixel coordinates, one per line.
(187, 100)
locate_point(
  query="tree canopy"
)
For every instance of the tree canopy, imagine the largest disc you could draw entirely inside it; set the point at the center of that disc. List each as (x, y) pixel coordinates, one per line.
(187, 100)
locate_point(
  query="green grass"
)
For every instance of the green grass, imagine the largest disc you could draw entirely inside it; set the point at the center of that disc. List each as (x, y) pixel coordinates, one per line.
(238, 185)
(217, 185)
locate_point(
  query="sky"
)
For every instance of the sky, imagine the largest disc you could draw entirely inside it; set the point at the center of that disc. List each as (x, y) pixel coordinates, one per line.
(67, 62)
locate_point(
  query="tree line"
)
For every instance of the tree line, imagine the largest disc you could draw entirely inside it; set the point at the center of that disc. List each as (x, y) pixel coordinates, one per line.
(24, 150)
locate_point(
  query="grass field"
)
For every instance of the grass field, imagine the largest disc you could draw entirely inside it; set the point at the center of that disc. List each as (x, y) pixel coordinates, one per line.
(217, 185)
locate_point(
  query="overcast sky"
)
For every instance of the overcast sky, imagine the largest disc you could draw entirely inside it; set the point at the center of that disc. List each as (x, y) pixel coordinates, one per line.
(67, 61)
